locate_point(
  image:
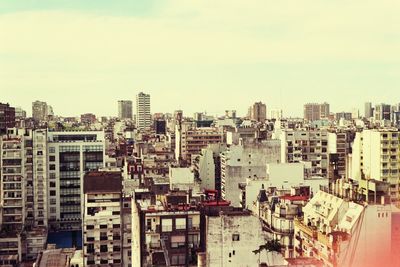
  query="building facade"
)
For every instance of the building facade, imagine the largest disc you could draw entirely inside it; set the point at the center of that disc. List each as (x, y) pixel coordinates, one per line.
(143, 112)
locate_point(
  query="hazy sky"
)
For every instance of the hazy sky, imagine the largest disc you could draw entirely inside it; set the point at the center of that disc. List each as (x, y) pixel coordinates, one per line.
(83, 56)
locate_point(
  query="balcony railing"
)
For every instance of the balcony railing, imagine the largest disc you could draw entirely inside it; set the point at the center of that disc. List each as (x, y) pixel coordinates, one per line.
(309, 230)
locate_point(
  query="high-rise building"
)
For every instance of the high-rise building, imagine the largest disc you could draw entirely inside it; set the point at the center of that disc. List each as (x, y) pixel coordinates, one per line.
(7, 117)
(275, 114)
(375, 156)
(143, 115)
(368, 111)
(39, 111)
(125, 109)
(70, 155)
(382, 112)
(258, 112)
(314, 111)
(102, 222)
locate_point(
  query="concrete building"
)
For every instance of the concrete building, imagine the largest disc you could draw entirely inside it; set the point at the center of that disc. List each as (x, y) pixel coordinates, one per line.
(382, 112)
(40, 111)
(306, 145)
(314, 111)
(231, 238)
(248, 160)
(375, 156)
(368, 110)
(339, 147)
(88, 118)
(70, 155)
(23, 205)
(143, 113)
(208, 167)
(102, 234)
(344, 115)
(7, 117)
(276, 114)
(189, 140)
(258, 112)
(277, 209)
(125, 109)
(164, 233)
(336, 231)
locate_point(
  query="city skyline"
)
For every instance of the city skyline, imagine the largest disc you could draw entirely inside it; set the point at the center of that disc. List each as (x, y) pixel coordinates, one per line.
(188, 53)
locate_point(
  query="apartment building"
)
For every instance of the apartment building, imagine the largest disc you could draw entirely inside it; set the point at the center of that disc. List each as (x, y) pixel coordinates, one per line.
(336, 231)
(7, 117)
(143, 112)
(125, 109)
(376, 155)
(102, 233)
(248, 160)
(164, 232)
(70, 155)
(314, 111)
(306, 145)
(189, 140)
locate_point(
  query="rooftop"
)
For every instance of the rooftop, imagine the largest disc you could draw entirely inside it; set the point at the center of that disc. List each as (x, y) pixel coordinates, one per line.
(102, 182)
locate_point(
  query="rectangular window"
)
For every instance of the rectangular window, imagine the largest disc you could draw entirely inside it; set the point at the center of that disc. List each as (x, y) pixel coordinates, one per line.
(235, 237)
(166, 225)
(178, 241)
(180, 223)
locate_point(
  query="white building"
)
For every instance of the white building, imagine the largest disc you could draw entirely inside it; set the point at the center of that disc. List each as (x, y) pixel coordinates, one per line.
(143, 115)
(231, 239)
(70, 155)
(376, 156)
(248, 160)
(102, 233)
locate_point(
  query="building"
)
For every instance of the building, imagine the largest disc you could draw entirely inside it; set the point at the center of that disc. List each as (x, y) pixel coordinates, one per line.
(339, 147)
(375, 155)
(276, 114)
(40, 111)
(102, 218)
(336, 231)
(143, 115)
(344, 115)
(308, 146)
(314, 111)
(7, 117)
(160, 126)
(125, 109)
(382, 112)
(70, 155)
(164, 232)
(231, 238)
(88, 118)
(368, 110)
(248, 160)
(189, 140)
(258, 112)
(23, 202)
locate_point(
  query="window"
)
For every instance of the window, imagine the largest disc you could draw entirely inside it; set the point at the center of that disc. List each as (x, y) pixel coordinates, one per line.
(52, 167)
(103, 248)
(116, 248)
(116, 226)
(52, 158)
(103, 226)
(52, 184)
(166, 225)
(178, 241)
(180, 223)
(235, 237)
(148, 224)
(193, 239)
(52, 150)
(89, 227)
(52, 193)
(178, 259)
(103, 261)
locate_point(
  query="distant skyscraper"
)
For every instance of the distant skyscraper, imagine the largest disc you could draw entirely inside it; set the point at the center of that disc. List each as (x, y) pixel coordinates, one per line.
(314, 111)
(39, 111)
(275, 114)
(125, 109)
(368, 111)
(143, 115)
(258, 112)
(7, 117)
(382, 112)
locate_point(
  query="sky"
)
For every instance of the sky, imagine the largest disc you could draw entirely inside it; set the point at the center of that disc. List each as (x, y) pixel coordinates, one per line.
(204, 55)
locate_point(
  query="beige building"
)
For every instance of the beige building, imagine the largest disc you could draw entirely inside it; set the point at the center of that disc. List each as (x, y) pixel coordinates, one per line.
(258, 112)
(102, 234)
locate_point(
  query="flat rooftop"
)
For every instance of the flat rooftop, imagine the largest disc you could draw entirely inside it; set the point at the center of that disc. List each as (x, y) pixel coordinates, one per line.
(102, 182)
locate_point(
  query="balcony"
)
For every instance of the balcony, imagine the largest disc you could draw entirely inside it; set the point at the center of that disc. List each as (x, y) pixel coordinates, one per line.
(324, 240)
(309, 230)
